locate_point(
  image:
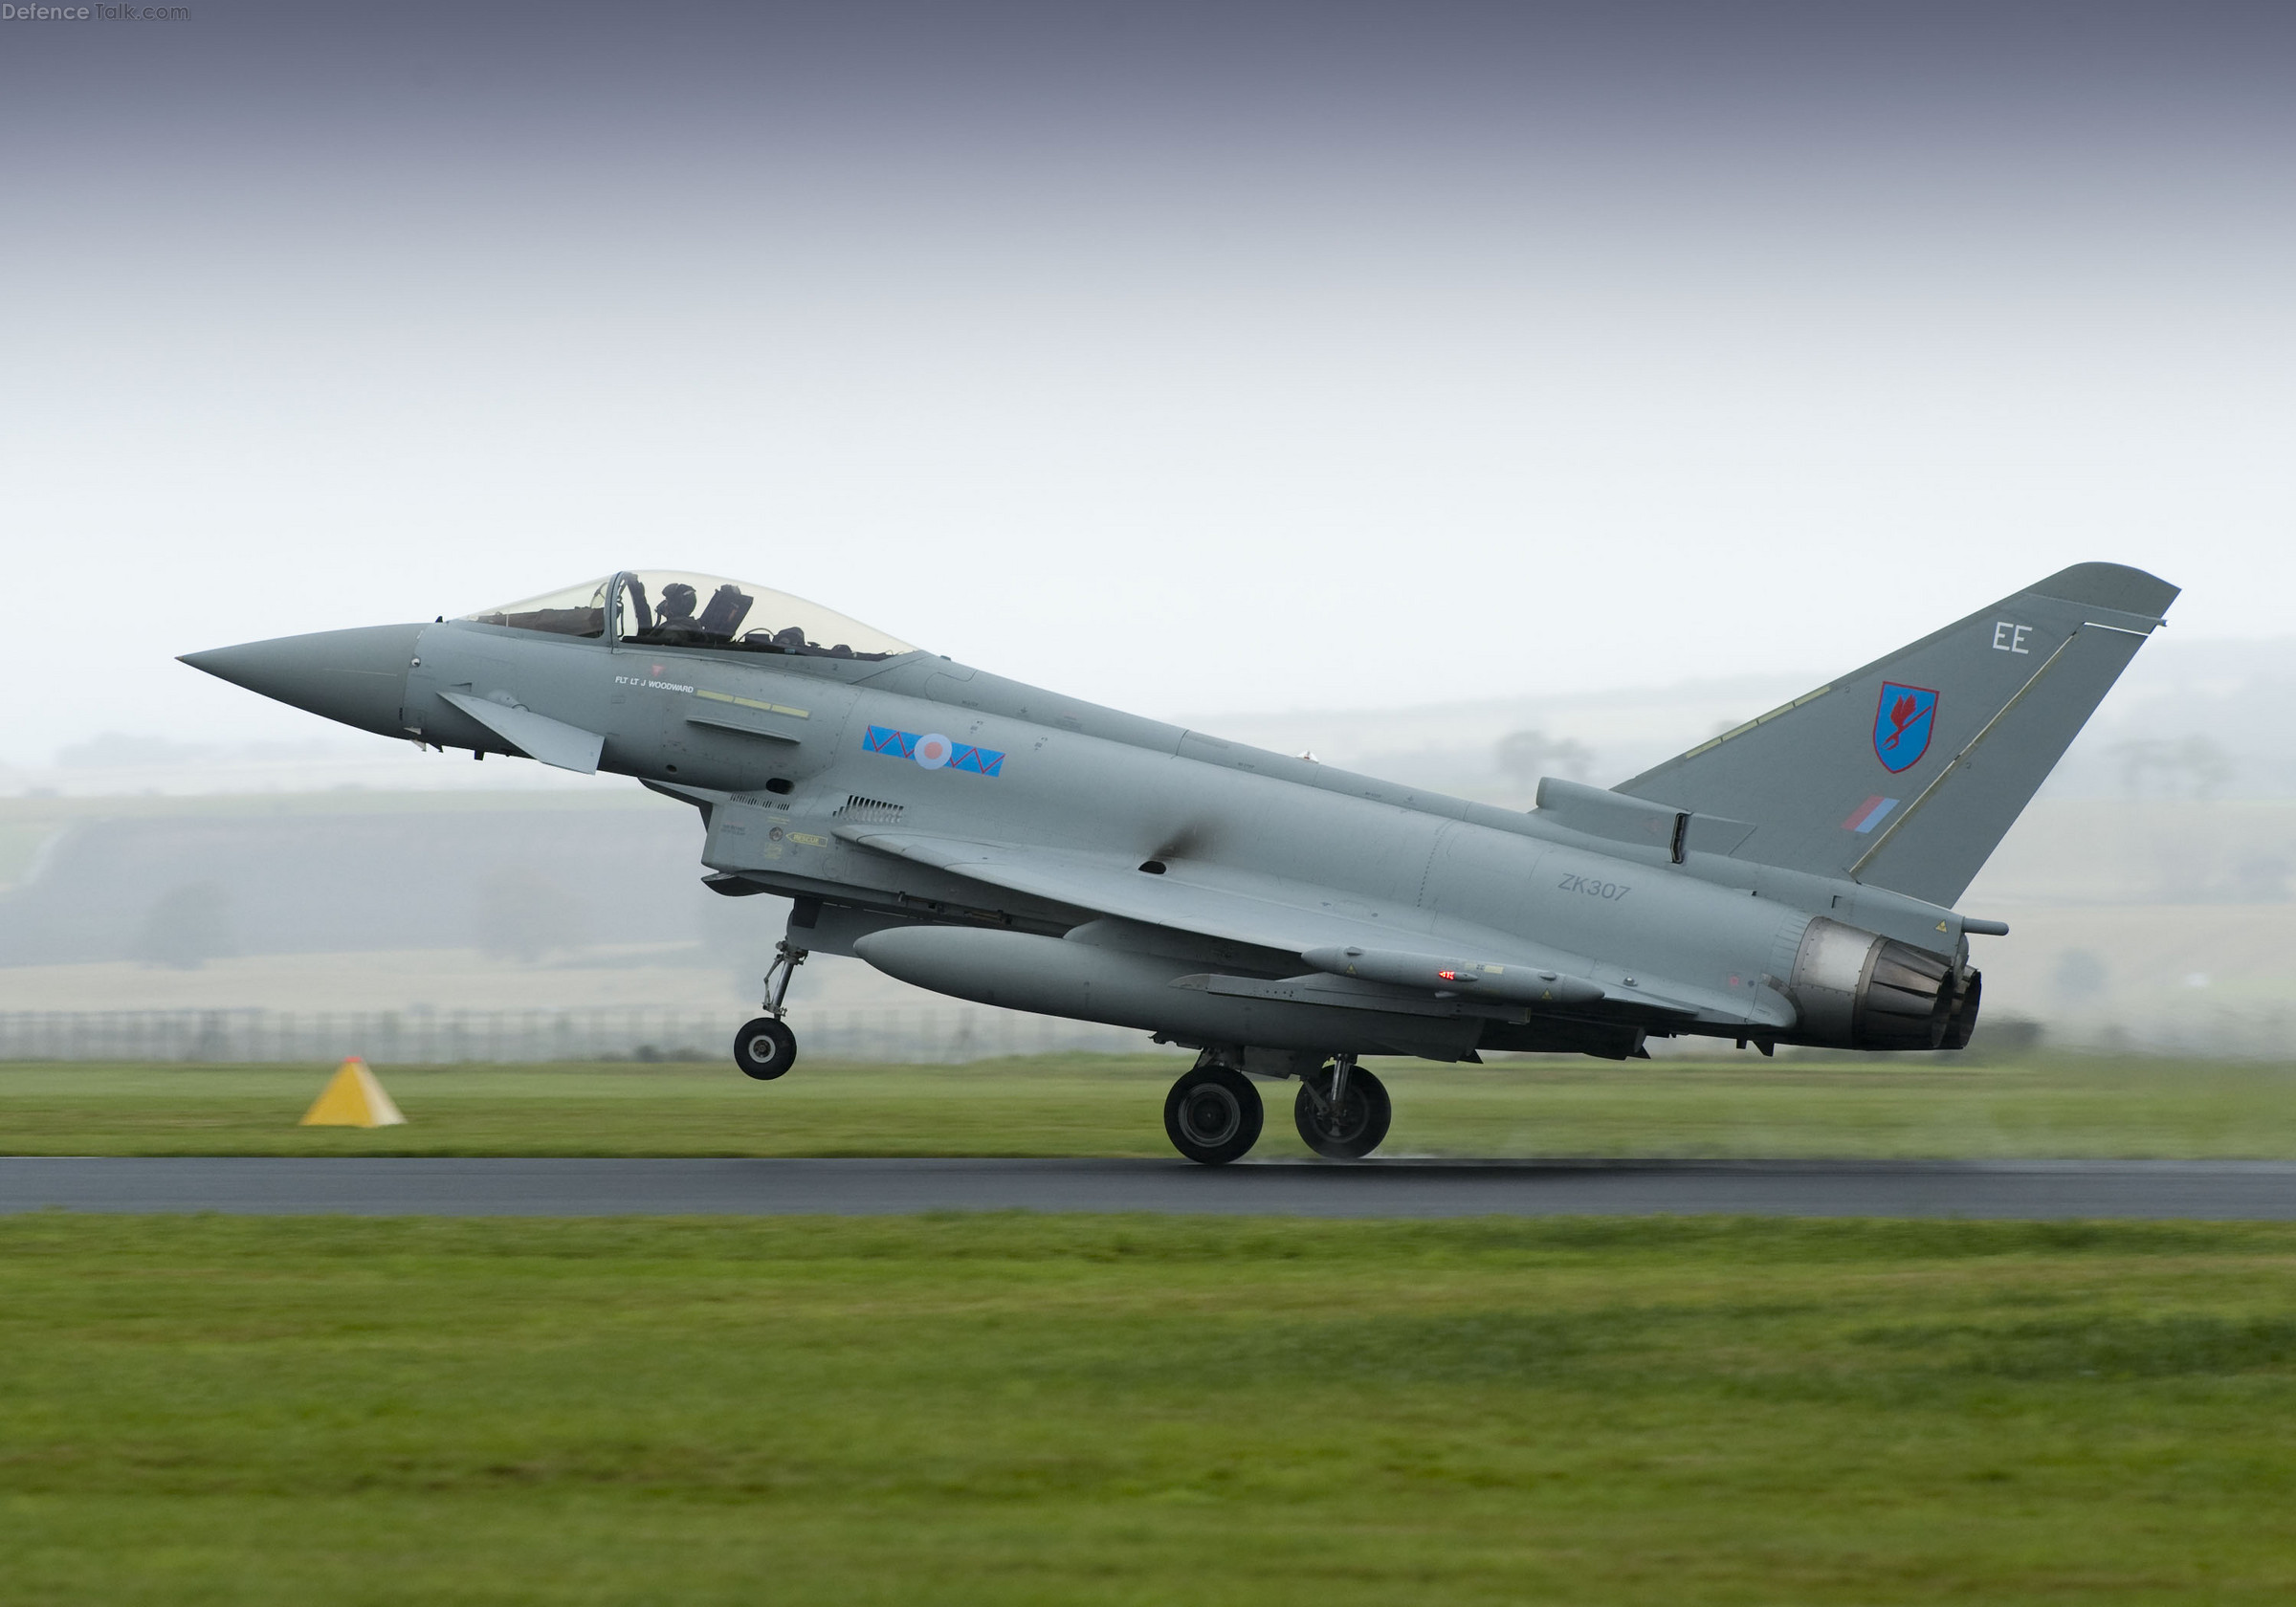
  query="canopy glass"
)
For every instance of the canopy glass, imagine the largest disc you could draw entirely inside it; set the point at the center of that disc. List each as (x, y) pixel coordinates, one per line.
(676, 609)
(578, 610)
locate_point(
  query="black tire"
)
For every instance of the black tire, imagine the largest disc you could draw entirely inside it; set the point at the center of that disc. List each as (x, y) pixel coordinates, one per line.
(1356, 1129)
(1213, 1115)
(765, 1049)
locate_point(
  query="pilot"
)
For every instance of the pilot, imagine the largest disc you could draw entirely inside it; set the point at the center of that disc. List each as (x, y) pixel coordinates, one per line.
(676, 610)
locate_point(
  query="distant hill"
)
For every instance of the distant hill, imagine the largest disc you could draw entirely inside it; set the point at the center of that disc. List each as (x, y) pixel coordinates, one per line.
(171, 881)
(2162, 921)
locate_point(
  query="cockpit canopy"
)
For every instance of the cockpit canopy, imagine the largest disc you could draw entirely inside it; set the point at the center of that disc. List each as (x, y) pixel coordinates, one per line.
(672, 608)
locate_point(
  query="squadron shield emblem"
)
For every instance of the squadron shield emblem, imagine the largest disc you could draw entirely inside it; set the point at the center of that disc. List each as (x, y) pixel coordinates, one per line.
(1902, 724)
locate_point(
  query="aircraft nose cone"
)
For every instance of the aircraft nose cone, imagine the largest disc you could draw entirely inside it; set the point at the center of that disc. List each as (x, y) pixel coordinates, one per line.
(356, 676)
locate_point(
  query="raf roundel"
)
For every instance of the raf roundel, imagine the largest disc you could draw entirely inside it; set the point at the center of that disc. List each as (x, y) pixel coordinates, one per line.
(933, 750)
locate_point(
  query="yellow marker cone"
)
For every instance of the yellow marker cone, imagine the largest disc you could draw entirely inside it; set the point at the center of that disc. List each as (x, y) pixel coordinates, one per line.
(353, 1098)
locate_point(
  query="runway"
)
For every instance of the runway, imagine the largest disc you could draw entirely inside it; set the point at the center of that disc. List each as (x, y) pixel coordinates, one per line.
(2027, 1189)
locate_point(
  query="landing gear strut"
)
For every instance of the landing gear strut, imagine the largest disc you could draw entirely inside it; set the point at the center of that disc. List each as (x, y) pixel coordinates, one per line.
(1343, 1111)
(765, 1048)
(1213, 1113)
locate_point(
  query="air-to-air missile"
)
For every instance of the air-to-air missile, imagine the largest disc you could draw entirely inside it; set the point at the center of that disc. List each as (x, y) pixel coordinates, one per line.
(1790, 881)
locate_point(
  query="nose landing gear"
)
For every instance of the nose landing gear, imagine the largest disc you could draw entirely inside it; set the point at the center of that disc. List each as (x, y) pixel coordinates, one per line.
(1342, 1111)
(765, 1048)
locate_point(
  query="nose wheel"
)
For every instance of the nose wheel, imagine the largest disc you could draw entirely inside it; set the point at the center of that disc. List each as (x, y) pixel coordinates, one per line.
(765, 1048)
(1213, 1114)
(1342, 1111)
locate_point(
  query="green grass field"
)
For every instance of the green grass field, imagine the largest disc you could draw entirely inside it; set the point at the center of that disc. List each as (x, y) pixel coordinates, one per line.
(1123, 1409)
(1002, 1409)
(2051, 1104)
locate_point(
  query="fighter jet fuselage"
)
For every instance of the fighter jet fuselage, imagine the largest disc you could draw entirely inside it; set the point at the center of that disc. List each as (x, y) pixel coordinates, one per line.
(1790, 882)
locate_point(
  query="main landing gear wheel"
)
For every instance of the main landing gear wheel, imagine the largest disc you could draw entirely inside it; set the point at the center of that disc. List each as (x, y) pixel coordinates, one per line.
(765, 1048)
(1348, 1128)
(1213, 1114)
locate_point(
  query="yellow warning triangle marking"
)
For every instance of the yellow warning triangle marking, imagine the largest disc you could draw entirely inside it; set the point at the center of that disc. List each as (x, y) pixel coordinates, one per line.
(352, 1098)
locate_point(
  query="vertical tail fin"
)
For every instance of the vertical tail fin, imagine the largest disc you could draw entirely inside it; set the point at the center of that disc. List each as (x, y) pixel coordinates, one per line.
(1907, 774)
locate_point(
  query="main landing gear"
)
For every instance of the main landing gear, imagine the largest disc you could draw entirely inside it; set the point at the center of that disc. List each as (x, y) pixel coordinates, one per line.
(1213, 1114)
(1343, 1111)
(765, 1048)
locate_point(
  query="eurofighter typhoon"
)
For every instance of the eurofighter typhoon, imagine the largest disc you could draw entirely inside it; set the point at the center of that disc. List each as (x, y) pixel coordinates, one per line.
(1791, 881)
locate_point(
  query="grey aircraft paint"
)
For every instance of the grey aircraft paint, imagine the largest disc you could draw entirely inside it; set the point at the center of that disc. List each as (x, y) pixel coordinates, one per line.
(1791, 881)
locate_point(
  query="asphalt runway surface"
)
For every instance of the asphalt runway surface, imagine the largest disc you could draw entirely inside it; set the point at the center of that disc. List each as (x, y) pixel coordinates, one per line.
(2026, 1189)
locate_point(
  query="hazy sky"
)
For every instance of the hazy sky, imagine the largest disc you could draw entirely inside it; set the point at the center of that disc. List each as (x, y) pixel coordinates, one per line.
(1234, 358)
